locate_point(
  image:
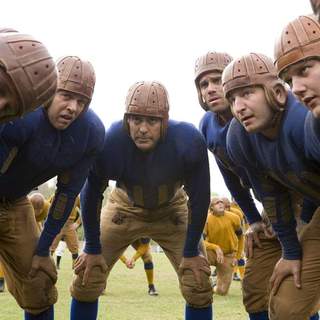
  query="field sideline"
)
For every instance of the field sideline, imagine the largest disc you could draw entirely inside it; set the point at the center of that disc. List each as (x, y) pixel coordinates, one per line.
(127, 299)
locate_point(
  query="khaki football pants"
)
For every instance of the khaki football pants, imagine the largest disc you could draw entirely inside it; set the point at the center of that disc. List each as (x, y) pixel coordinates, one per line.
(122, 224)
(70, 237)
(224, 271)
(298, 304)
(19, 235)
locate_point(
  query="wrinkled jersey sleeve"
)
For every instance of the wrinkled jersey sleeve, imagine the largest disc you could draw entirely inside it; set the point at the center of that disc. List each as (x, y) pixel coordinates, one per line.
(91, 202)
(197, 186)
(308, 209)
(278, 203)
(106, 167)
(69, 185)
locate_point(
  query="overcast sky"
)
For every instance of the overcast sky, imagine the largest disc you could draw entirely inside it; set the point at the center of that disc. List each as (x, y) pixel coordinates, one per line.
(133, 40)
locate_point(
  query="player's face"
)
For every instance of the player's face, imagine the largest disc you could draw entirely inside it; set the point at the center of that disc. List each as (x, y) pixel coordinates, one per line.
(304, 79)
(8, 97)
(250, 107)
(65, 108)
(37, 207)
(144, 131)
(211, 91)
(218, 206)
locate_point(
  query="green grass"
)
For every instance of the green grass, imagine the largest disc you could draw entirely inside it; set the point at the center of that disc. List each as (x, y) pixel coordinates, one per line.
(127, 299)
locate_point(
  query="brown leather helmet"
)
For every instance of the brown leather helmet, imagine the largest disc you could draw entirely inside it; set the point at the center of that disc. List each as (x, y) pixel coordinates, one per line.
(148, 99)
(315, 4)
(248, 70)
(77, 76)
(299, 39)
(212, 61)
(31, 69)
(251, 70)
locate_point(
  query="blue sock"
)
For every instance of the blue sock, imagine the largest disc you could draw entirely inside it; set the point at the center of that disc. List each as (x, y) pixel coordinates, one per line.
(83, 310)
(198, 313)
(263, 315)
(45, 315)
(315, 317)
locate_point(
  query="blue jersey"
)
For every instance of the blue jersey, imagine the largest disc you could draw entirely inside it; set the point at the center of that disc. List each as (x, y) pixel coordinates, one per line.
(33, 151)
(276, 167)
(234, 177)
(151, 179)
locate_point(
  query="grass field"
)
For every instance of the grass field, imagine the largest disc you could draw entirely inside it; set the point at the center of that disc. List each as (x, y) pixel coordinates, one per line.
(127, 299)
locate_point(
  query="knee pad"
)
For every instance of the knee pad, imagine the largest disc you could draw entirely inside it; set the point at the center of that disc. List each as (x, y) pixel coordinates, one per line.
(196, 296)
(93, 289)
(38, 293)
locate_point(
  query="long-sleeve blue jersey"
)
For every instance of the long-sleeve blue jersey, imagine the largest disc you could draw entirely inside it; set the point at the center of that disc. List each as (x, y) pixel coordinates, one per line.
(33, 151)
(152, 178)
(276, 167)
(234, 177)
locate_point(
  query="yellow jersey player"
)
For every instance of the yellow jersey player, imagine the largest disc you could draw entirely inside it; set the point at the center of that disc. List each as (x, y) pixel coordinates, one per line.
(235, 209)
(222, 233)
(40, 207)
(142, 247)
